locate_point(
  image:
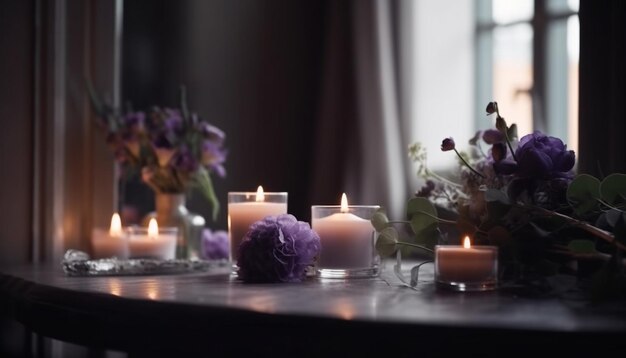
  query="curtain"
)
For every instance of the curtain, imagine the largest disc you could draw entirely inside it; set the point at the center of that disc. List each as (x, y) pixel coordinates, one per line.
(602, 87)
(361, 108)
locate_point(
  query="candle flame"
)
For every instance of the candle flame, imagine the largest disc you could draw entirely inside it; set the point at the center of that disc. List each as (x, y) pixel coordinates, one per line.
(116, 226)
(344, 203)
(260, 196)
(466, 242)
(153, 229)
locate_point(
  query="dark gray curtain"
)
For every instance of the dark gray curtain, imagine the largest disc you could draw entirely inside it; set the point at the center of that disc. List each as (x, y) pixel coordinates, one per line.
(602, 87)
(297, 87)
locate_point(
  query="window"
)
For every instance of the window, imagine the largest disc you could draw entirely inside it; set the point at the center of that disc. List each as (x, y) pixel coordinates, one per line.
(527, 60)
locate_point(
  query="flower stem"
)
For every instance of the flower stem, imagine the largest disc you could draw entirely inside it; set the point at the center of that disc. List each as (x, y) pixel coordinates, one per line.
(467, 164)
(416, 246)
(602, 234)
(506, 133)
(439, 177)
(444, 221)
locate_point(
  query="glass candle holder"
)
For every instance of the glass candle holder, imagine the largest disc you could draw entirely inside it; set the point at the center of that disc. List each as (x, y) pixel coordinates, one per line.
(246, 208)
(348, 240)
(162, 246)
(106, 245)
(463, 268)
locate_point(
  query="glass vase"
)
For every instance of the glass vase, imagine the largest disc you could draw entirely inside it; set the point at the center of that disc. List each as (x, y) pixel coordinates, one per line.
(170, 211)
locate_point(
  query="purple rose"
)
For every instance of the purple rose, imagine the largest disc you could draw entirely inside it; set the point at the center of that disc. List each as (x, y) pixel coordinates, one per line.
(541, 156)
(447, 144)
(215, 244)
(277, 249)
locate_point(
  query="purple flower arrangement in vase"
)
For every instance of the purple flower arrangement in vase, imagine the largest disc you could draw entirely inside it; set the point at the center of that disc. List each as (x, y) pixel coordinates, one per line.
(173, 150)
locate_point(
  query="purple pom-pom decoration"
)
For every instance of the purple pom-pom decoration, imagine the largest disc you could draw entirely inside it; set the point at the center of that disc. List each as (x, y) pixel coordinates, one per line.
(214, 244)
(277, 249)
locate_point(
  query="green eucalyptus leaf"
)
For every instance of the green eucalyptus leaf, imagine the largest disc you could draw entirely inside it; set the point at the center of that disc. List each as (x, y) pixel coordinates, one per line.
(421, 213)
(380, 220)
(386, 241)
(582, 246)
(429, 236)
(583, 193)
(613, 188)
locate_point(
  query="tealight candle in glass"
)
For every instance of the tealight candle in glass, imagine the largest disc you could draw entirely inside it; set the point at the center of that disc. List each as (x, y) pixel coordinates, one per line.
(152, 242)
(111, 243)
(347, 239)
(466, 268)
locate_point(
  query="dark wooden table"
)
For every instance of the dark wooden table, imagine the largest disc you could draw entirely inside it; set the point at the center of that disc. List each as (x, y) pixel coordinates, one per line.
(212, 313)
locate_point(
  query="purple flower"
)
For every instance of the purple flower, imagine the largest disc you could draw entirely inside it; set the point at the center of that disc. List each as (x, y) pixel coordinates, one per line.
(185, 161)
(212, 133)
(133, 122)
(163, 145)
(492, 107)
(492, 136)
(447, 144)
(277, 249)
(213, 156)
(214, 244)
(498, 151)
(427, 189)
(173, 120)
(541, 156)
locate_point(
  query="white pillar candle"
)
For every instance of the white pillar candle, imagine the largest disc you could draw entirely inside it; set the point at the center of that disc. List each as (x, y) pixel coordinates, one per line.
(112, 243)
(153, 243)
(244, 209)
(346, 238)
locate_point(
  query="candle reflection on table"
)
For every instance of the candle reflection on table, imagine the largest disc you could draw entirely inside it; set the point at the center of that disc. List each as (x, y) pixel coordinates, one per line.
(115, 287)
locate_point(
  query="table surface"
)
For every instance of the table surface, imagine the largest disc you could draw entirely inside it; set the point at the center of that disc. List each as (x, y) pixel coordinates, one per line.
(213, 302)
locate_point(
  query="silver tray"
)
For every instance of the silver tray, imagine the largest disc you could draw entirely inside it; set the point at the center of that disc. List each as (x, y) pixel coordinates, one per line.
(78, 263)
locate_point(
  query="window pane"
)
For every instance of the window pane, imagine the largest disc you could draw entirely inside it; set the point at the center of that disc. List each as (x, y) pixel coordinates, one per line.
(573, 50)
(513, 75)
(505, 11)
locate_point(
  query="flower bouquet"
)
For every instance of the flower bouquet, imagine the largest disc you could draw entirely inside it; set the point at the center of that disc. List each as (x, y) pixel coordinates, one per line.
(522, 196)
(173, 150)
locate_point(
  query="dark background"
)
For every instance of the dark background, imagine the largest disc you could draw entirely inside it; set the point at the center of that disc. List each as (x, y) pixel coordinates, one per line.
(254, 69)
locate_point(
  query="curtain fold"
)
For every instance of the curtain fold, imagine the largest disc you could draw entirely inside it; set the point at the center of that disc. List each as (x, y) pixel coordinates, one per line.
(360, 110)
(602, 87)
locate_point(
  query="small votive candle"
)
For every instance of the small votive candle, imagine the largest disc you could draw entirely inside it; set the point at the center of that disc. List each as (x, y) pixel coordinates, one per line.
(112, 243)
(152, 242)
(246, 208)
(346, 236)
(466, 267)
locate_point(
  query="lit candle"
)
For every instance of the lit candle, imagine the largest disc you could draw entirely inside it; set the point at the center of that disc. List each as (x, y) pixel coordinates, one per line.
(467, 267)
(346, 238)
(153, 243)
(245, 208)
(112, 243)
